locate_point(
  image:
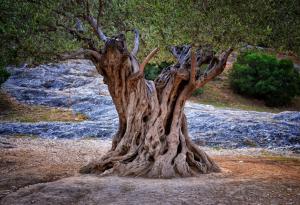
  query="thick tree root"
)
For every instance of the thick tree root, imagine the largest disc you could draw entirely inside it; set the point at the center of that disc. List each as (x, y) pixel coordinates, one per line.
(185, 160)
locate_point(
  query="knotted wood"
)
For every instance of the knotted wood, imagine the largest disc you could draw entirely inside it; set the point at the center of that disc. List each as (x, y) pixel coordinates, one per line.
(152, 139)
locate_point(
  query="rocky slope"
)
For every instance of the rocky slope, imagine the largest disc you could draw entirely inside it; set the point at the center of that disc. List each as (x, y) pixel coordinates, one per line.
(75, 84)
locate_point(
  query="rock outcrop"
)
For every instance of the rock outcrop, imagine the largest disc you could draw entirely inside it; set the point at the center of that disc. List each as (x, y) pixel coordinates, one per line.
(75, 84)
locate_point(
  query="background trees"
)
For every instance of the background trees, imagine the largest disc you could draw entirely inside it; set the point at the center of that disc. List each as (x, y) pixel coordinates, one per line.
(264, 77)
(35, 31)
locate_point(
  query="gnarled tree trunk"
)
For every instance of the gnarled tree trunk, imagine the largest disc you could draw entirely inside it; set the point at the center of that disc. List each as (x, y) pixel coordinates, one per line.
(152, 138)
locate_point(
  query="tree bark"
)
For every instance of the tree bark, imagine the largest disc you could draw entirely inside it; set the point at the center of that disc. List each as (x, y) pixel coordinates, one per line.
(152, 139)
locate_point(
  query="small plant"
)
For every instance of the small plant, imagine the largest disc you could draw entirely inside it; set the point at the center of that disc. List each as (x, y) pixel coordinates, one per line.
(264, 77)
(197, 92)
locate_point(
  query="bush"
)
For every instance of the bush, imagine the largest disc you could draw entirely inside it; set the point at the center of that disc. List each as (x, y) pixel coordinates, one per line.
(197, 92)
(264, 77)
(152, 70)
(3, 75)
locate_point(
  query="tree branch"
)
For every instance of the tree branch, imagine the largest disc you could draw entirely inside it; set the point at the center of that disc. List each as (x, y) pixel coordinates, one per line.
(100, 11)
(181, 53)
(147, 59)
(79, 36)
(88, 52)
(217, 68)
(142, 66)
(93, 22)
(136, 42)
(193, 69)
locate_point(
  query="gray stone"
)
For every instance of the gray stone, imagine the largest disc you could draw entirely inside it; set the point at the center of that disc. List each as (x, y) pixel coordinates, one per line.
(75, 84)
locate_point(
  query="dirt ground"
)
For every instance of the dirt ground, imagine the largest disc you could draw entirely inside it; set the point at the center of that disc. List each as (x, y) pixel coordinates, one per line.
(43, 171)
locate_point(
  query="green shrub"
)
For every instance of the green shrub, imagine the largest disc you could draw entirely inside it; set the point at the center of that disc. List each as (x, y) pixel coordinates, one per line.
(264, 77)
(197, 92)
(3, 75)
(152, 70)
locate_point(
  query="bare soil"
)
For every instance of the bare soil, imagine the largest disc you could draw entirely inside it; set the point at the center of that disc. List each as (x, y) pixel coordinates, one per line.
(50, 167)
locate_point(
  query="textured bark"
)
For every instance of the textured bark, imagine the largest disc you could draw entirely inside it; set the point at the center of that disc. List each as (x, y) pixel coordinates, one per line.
(152, 139)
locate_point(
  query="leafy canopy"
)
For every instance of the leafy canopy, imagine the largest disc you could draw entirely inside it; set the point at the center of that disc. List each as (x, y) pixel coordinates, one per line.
(39, 30)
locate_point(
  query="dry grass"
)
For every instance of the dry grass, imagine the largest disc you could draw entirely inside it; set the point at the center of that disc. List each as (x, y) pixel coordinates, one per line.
(12, 111)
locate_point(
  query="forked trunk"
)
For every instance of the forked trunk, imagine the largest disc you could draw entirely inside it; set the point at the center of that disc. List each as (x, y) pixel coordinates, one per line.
(152, 139)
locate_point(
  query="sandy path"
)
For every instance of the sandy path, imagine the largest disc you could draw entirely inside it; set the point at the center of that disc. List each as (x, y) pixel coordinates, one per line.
(250, 176)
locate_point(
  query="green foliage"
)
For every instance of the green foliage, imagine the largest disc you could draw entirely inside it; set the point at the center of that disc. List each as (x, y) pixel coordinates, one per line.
(152, 70)
(29, 32)
(264, 77)
(35, 31)
(3, 75)
(221, 23)
(198, 92)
